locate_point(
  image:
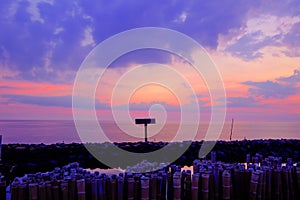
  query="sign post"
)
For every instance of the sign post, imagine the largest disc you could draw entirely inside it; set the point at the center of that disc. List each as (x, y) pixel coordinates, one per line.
(145, 121)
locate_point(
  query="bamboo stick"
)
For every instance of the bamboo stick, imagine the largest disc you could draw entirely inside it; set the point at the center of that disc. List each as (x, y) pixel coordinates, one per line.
(216, 182)
(88, 187)
(183, 175)
(285, 184)
(42, 191)
(72, 188)
(2, 189)
(153, 187)
(64, 190)
(220, 171)
(237, 184)
(195, 181)
(164, 186)
(80, 189)
(211, 186)
(14, 191)
(248, 158)
(177, 186)
(100, 185)
(277, 184)
(196, 166)
(49, 191)
(260, 185)
(120, 188)
(253, 185)
(22, 191)
(226, 180)
(291, 182)
(188, 186)
(170, 190)
(33, 191)
(159, 187)
(136, 186)
(108, 188)
(94, 189)
(213, 155)
(205, 186)
(114, 188)
(298, 180)
(145, 188)
(55, 190)
(130, 190)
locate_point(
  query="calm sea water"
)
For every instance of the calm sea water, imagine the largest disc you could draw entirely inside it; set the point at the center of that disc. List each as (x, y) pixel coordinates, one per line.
(43, 131)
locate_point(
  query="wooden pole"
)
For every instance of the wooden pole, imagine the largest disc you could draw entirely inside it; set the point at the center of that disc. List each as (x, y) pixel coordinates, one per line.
(145, 125)
(232, 120)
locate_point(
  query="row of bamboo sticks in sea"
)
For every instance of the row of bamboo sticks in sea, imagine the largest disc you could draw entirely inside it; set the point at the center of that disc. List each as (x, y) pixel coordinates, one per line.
(259, 179)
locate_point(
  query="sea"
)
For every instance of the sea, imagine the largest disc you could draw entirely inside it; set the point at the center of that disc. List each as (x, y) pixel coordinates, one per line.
(65, 131)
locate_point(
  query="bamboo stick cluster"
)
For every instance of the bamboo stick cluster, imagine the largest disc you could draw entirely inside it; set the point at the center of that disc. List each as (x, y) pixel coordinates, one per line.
(211, 180)
(255, 180)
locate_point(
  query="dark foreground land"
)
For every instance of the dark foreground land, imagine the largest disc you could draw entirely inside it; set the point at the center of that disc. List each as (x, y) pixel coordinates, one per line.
(19, 159)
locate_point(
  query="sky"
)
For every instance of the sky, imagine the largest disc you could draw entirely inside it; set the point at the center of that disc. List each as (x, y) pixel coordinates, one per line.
(254, 44)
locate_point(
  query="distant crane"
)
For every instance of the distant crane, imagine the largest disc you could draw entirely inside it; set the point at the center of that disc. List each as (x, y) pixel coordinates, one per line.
(232, 121)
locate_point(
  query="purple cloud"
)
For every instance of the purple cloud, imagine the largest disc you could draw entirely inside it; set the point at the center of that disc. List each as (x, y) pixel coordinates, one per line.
(50, 101)
(242, 102)
(271, 89)
(295, 78)
(246, 49)
(39, 39)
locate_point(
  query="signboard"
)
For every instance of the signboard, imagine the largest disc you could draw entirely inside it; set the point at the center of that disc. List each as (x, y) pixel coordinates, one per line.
(145, 121)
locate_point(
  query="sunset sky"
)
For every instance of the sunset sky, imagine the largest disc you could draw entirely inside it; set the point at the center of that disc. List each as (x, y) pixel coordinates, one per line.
(254, 44)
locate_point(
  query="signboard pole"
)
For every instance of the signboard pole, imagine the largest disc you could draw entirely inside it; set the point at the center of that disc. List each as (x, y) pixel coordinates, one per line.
(145, 132)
